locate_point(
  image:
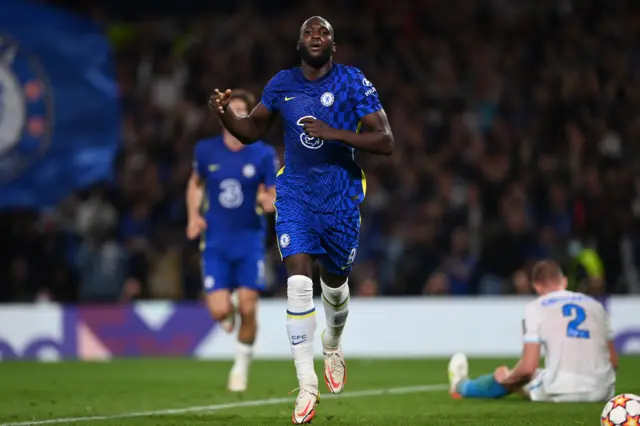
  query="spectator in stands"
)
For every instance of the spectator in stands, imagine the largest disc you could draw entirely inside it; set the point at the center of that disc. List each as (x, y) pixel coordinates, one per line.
(103, 268)
(517, 121)
(455, 275)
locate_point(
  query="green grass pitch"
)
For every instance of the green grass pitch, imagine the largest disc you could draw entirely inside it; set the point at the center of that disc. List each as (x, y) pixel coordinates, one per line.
(190, 392)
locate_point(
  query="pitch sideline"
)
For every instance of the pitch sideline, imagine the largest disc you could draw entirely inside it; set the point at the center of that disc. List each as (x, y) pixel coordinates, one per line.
(232, 405)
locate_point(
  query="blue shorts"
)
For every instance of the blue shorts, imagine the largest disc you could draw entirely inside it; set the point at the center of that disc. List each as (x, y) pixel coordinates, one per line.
(331, 237)
(228, 269)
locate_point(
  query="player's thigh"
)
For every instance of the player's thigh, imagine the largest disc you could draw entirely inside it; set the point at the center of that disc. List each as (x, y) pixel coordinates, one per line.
(610, 392)
(219, 303)
(247, 303)
(216, 280)
(333, 280)
(297, 232)
(248, 270)
(604, 394)
(299, 264)
(600, 394)
(340, 243)
(534, 390)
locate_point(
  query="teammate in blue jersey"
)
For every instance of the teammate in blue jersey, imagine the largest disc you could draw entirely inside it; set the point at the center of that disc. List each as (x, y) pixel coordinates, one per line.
(232, 185)
(328, 111)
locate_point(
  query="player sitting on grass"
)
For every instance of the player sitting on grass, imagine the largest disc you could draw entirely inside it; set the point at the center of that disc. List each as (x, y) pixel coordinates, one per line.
(574, 329)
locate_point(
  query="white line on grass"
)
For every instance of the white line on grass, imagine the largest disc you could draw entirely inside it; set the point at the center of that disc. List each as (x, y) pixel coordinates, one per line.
(231, 405)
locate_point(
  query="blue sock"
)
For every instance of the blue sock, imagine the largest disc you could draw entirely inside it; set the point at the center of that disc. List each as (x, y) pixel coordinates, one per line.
(482, 387)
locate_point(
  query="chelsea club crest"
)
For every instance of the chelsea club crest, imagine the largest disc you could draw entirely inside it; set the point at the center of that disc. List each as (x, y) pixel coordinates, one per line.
(25, 109)
(327, 99)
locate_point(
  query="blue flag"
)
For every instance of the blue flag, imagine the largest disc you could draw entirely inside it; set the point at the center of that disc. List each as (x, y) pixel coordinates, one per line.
(59, 119)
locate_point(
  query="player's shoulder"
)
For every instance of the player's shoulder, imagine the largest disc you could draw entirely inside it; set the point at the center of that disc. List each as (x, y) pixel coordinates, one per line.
(564, 297)
(262, 148)
(348, 70)
(533, 306)
(282, 78)
(590, 302)
(209, 142)
(351, 73)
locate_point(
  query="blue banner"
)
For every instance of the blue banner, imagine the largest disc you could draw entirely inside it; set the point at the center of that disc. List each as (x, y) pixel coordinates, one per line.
(59, 119)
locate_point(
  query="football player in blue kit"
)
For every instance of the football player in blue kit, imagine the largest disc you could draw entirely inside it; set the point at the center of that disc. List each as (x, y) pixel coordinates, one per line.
(230, 188)
(328, 111)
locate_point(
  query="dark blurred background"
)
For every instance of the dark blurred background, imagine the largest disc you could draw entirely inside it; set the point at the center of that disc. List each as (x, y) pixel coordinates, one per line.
(517, 127)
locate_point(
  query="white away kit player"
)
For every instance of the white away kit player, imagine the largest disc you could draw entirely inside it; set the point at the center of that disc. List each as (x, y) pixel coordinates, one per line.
(573, 329)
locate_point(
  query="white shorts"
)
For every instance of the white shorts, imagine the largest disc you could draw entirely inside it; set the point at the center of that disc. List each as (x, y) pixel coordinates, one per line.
(535, 391)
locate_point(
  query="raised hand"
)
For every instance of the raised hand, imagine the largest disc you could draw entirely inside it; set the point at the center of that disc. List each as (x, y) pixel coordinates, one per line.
(219, 101)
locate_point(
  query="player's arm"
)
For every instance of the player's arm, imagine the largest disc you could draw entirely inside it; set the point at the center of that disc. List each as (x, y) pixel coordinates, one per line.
(376, 137)
(613, 354)
(530, 359)
(194, 196)
(250, 128)
(526, 367)
(195, 192)
(266, 198)
(267, 189)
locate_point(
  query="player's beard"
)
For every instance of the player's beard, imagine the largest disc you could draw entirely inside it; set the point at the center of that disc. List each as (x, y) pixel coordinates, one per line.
(315, 61)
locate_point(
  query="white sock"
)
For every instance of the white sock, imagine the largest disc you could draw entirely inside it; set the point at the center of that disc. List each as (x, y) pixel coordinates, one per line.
(336, 309)
(244, 355)
(301, 327)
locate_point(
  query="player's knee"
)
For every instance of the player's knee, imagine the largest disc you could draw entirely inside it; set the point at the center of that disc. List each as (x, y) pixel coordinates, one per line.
(219, 313)
(247, 312)
(247, 304)
(247, 307)
(299, 287)
(218, 308)
(332, 280)
(299, 264)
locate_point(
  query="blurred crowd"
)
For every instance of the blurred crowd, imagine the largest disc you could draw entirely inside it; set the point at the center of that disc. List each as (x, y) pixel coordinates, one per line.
(517, 128)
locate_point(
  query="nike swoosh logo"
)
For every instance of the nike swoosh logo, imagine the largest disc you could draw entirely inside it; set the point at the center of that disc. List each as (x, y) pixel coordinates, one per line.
(286, 99)
(333, 382)
(214, 167)
(305, 411)
(297, 343)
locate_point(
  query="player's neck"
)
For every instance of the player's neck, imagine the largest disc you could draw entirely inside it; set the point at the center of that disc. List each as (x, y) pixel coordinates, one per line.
(231, 143)
(554, 289)
(311, 73)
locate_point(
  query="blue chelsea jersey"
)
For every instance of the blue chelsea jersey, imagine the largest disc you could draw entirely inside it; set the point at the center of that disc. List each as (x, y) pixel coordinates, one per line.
(322, 174)
(231, 180)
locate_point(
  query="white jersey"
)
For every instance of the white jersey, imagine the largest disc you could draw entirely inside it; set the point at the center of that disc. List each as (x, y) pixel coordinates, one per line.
(574, 330)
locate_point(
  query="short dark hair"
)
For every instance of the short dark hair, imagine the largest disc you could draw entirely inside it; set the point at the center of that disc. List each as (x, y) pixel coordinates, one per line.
(245, 96)
(546, 271)
(324, 22)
